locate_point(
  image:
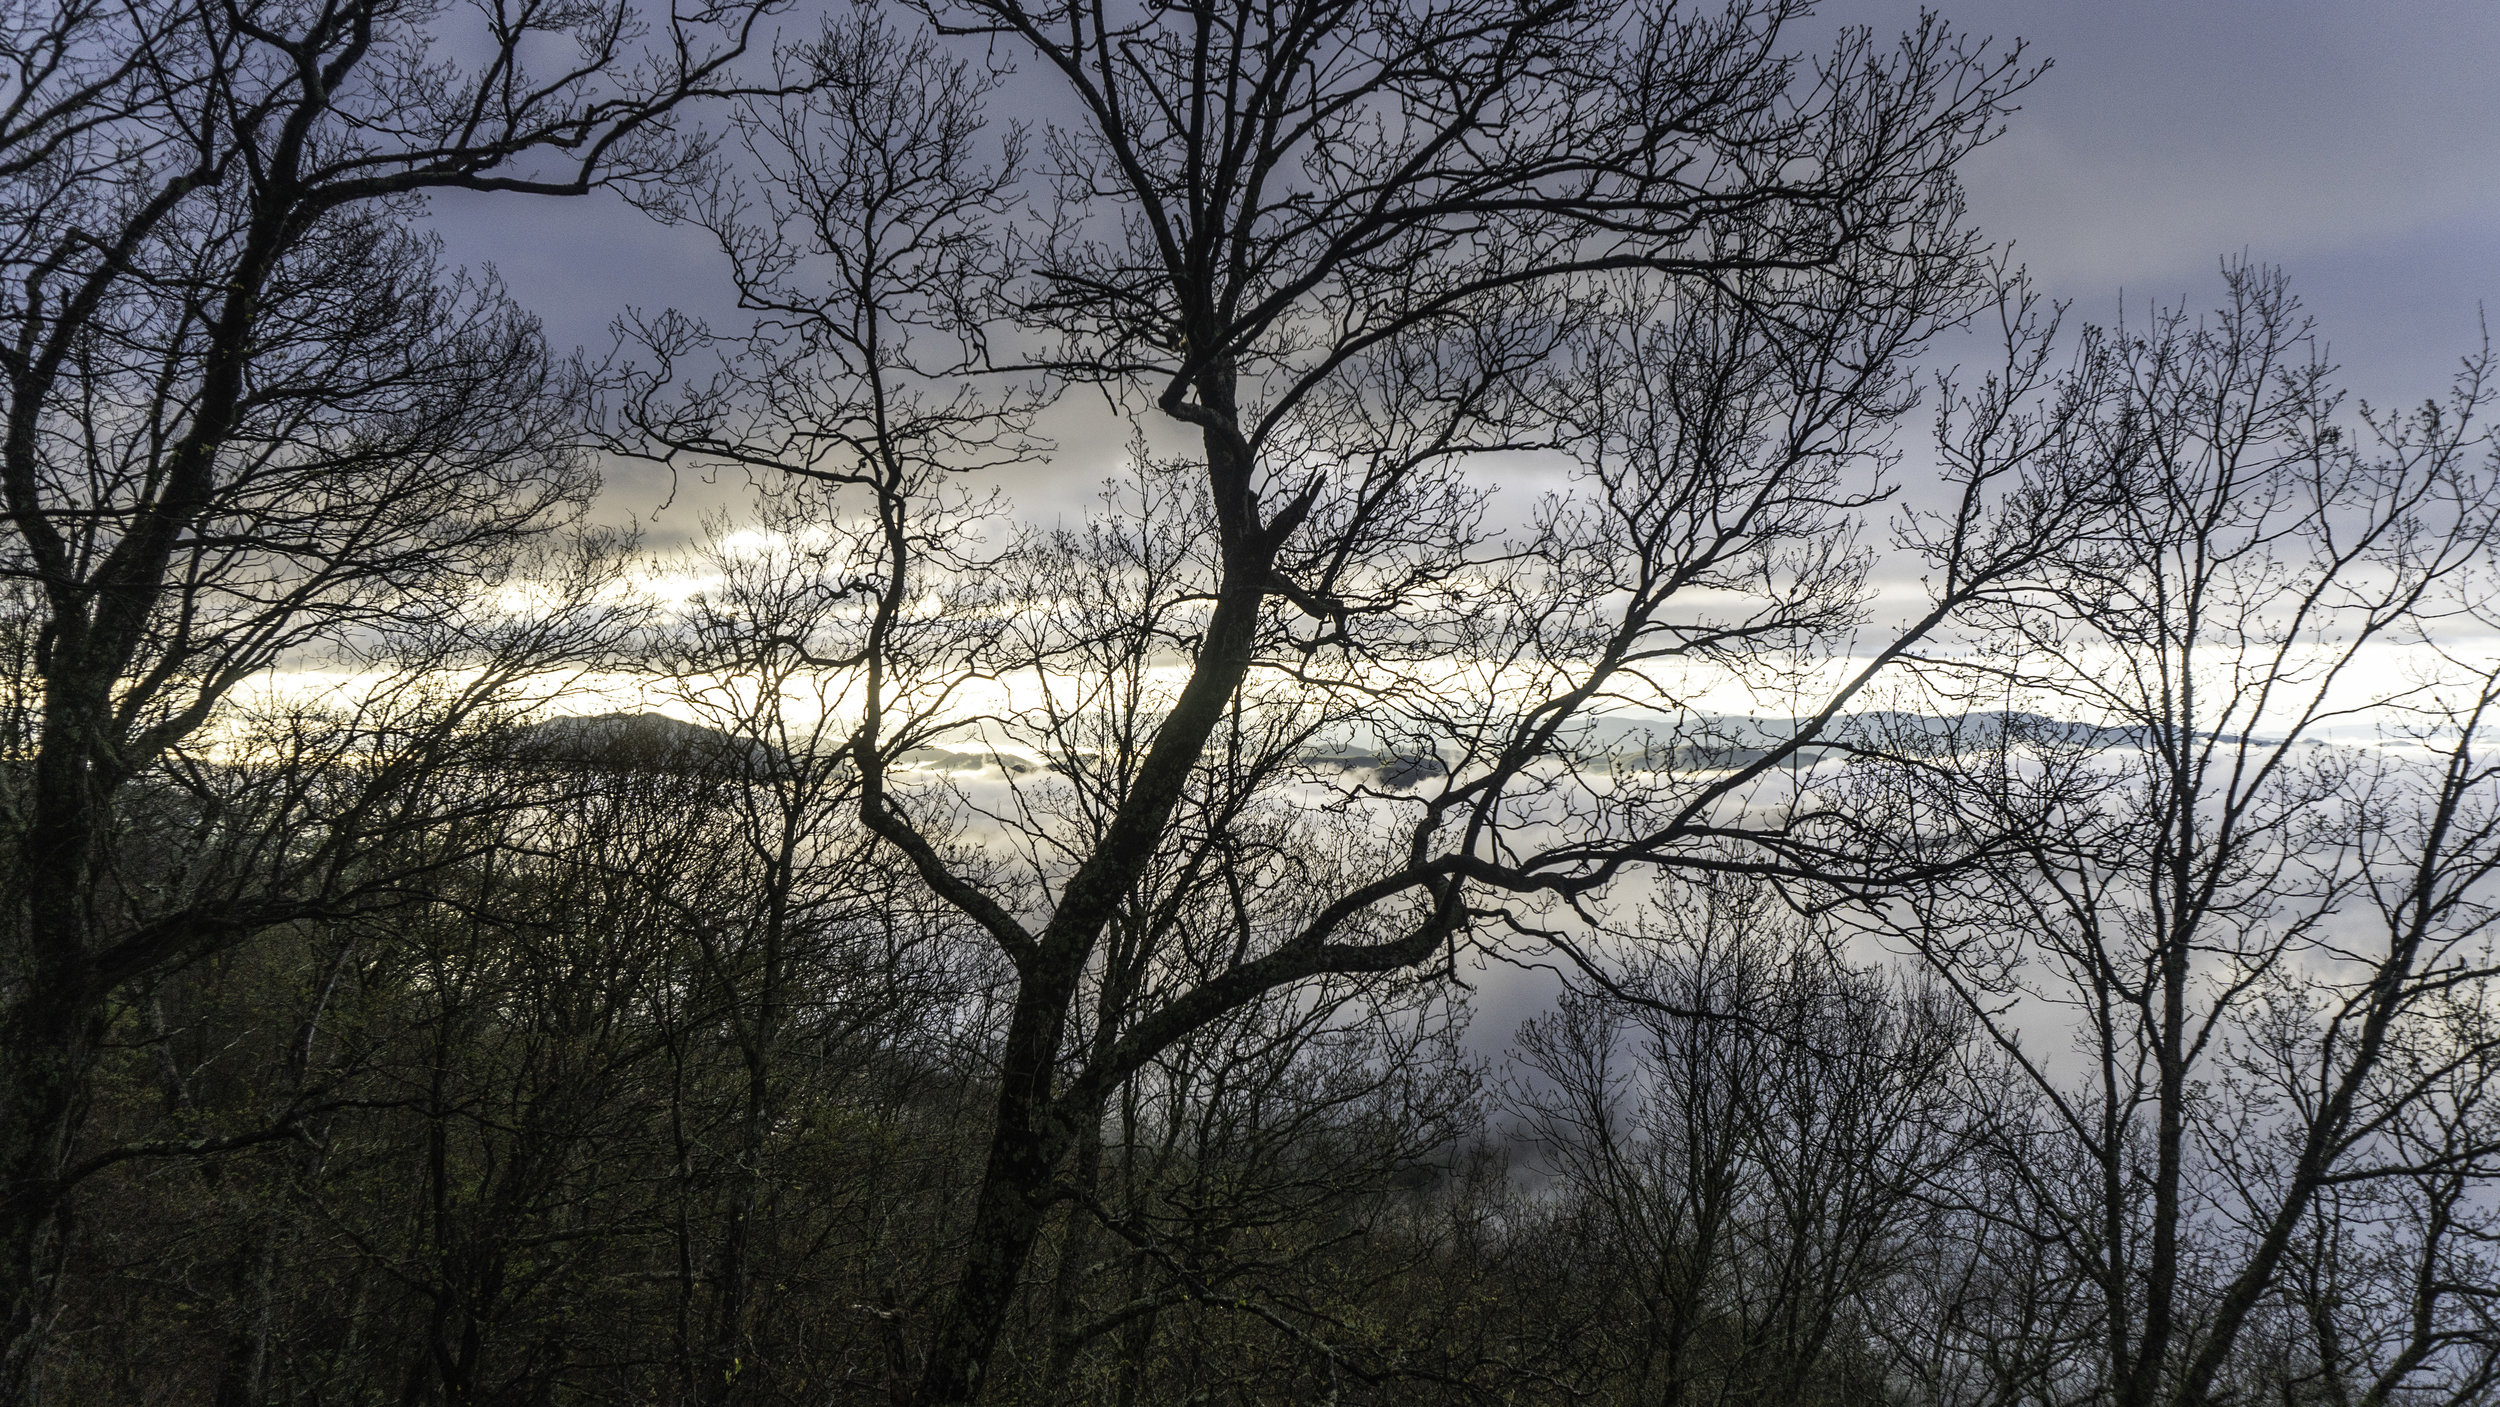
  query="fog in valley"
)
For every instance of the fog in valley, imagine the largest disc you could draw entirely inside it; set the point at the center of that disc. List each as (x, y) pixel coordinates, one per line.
(1408, 701)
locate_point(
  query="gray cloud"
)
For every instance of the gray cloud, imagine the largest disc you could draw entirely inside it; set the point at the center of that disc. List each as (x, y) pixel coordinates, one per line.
(2357, 144)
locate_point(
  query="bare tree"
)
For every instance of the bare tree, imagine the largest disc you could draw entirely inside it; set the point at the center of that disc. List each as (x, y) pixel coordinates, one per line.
(822, 949)
(246, 412)
(2251, 929)
(1350, 249)
(1747, 1139)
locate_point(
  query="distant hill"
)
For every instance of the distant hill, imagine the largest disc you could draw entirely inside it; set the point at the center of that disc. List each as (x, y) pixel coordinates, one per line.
(642, 742)
(655, 742)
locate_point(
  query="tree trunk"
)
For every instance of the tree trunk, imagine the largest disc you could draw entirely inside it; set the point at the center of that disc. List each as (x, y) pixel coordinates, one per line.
(1031, 1134)
(50, 1046)
(48, 1040)
(1016, 1195)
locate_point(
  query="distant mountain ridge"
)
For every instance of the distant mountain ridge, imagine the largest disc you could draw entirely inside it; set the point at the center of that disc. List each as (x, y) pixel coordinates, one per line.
(642, 742)
(656, 742)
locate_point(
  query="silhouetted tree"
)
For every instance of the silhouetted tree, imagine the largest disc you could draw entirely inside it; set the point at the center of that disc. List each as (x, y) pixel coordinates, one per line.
(2262, 937)
(246, 413)
(1350, 248)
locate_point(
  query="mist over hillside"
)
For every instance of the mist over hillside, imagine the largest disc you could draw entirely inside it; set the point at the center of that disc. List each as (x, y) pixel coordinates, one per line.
(1430, 702)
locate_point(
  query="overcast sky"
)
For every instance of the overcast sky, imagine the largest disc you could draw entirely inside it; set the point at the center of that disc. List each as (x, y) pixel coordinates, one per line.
(2355, 142)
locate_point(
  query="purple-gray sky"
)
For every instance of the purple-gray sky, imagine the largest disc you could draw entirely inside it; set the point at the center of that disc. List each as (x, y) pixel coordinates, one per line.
(2355, 142)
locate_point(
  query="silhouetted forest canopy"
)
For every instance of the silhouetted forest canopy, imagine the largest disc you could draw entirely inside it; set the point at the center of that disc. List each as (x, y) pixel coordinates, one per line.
(1993, 815)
